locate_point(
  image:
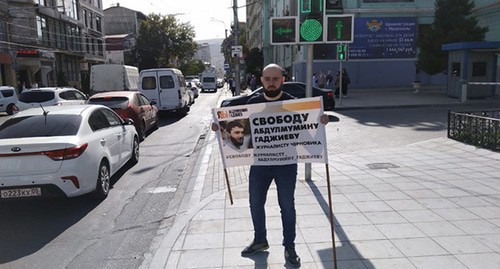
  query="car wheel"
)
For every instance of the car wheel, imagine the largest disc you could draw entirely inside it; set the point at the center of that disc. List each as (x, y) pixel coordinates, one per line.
(103, 181)
(142, 131)
(11, 108)
(135, 152)
(157, 123)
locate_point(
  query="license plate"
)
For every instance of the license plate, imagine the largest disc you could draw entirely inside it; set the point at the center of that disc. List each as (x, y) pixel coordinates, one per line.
(25, 192)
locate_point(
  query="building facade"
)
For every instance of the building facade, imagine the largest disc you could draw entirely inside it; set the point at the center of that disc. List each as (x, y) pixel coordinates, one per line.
(122, 30)
(51, 42)
(384, 50)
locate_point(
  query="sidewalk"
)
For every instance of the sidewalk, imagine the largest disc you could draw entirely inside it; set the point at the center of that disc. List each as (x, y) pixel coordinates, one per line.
(433, 204)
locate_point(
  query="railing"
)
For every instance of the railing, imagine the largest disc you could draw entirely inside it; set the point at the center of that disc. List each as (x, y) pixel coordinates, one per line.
(478, 128)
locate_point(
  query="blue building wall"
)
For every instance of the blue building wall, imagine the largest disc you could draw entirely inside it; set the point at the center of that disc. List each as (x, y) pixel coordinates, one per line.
(395, 72)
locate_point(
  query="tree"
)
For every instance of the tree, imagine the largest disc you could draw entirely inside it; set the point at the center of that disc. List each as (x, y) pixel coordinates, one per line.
(164, 42)
(255, 62)
(193, 67)
(453, 22)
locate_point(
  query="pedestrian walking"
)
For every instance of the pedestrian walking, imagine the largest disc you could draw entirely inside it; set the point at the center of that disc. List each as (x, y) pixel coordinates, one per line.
(284, 176)
(315, 80)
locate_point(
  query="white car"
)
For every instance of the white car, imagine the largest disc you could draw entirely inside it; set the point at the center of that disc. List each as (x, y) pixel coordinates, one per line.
(50, 96)
(64, 151)
(8, 99)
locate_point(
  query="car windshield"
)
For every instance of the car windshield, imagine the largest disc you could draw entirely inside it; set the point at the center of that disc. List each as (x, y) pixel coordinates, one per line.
(118, 102)
(40, 126)
(36, 96)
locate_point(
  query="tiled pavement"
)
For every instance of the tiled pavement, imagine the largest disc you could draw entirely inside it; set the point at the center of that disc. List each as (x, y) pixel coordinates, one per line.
(433, 204)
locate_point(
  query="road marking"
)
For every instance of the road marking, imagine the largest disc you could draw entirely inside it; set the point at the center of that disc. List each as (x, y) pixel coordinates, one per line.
(163, 189)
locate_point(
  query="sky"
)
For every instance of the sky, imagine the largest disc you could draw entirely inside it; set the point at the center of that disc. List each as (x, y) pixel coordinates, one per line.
(208, 17)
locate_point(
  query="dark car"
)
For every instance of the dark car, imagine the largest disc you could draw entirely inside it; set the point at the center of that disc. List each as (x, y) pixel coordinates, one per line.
(133, 105)
(297, 89)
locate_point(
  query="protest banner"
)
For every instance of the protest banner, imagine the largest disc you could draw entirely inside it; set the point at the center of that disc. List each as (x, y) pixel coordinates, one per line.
(274, 133)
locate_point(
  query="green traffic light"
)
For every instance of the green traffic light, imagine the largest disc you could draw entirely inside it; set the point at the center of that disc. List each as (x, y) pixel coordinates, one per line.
(311, 30)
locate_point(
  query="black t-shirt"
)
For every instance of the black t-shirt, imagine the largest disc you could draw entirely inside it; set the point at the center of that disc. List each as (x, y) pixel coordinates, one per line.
(261, 99)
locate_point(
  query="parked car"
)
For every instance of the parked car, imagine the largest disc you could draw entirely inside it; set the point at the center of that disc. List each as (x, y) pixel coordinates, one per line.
(297, 89)
(133, 105)
(50, 96)
(8, 99)
(195, 89)
(64, 151)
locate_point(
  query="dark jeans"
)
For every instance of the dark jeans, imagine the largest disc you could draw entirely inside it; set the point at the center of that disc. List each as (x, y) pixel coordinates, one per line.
(285, 177)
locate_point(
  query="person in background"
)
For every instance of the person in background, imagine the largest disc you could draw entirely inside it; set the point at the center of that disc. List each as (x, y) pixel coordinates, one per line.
(315, 80)
(345, 82)
(321, 79)
(329, 78)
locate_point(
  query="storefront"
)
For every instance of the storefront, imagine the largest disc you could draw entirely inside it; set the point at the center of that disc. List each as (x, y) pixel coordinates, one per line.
(35, 66)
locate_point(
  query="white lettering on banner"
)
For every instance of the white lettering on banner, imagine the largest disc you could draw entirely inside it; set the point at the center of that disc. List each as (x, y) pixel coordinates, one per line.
(275, 133)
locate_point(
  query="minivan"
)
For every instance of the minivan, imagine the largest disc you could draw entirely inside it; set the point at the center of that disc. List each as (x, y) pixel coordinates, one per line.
(167, 88)
(8, 99)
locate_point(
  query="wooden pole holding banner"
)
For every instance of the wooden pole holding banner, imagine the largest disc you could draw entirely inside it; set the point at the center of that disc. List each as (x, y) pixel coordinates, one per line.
(228, 186)
(331, 216)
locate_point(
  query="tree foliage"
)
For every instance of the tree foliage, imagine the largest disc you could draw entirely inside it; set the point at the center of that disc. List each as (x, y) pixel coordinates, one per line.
(164, 42)
(255, 62)
(192, 67)
(453, 22)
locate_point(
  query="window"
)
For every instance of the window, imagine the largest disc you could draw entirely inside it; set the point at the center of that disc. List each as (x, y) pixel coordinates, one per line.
(167, 82)
(40, 126)
(149, 83)
(7, 93)
(479, 69)
(85, 18)
(98, 25)
(98, 121)
(112, 118)
(455, 69)
(42, 31)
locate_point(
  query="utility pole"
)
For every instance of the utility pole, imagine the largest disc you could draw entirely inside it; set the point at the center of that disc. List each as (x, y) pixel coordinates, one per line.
(236, 34)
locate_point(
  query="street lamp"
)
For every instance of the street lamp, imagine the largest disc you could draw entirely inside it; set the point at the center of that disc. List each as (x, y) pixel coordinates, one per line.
(216, 20)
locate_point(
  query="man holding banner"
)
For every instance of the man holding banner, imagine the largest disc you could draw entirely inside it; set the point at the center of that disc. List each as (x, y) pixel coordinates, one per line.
(282, 135)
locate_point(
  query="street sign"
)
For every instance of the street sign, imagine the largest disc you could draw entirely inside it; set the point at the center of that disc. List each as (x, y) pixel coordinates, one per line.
(283, 30)
(340, 28)
(236, 51)
(226, 66)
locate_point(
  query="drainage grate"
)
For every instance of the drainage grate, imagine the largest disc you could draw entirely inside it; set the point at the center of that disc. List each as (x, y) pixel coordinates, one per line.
(381, 165)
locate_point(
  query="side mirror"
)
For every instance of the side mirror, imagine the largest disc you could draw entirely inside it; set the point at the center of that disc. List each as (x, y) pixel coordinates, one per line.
(153, 103)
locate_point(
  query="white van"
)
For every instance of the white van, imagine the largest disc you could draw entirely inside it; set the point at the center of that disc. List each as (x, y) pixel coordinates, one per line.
(208, 81)
(113, 77)
(8, 99)
(167, 87)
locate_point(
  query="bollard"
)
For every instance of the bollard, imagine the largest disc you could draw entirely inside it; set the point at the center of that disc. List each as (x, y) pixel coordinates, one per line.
(463, 96)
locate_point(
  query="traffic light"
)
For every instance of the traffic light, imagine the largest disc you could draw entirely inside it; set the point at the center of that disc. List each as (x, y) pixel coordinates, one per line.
(283, 30)
(311, 14)
(339, 28)
(342, 52)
